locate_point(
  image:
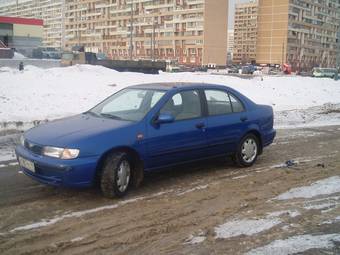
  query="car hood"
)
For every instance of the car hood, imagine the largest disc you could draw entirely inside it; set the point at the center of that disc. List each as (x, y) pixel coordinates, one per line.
(72, 130)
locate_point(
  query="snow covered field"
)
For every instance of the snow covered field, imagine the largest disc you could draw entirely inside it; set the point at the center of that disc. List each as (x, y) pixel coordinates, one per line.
(40, 94)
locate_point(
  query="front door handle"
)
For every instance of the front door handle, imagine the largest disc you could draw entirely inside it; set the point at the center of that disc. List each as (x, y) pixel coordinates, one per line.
(200, 125)
(244, 118)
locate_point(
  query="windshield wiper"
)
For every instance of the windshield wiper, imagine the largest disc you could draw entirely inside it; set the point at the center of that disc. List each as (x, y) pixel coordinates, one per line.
(111, 116)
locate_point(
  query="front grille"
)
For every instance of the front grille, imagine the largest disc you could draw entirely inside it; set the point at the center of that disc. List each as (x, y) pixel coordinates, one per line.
(35, 148)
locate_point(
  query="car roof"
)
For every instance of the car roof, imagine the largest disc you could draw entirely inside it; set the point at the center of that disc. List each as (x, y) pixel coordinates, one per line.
(178, 85)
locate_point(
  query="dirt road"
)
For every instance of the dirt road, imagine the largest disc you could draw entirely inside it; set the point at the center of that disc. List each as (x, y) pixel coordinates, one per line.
(207, 208)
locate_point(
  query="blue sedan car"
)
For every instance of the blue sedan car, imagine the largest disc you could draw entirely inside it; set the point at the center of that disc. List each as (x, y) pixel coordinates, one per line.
(142, 128)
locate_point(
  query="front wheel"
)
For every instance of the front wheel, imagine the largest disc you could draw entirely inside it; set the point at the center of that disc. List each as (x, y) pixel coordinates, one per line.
(116, 175)
(247, 151)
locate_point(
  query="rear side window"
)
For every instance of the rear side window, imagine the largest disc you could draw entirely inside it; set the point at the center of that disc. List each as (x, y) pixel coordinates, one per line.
(237, 105)
(184, 105)
(221, 103)
(218, 102)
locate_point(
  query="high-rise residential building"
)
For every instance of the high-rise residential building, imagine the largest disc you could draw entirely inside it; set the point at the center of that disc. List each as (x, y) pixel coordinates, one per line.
(303, 33)
(230, 45)
(50, 11)
(192, 32)
(245, 32)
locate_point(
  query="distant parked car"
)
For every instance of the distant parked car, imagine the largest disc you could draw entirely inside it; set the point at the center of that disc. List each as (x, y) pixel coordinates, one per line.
(325, 72)
(143, 128)
(248, 69)
(305, 74)
(233, 69)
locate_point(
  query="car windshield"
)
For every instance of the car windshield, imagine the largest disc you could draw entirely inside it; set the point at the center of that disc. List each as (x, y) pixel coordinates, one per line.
(128, 104)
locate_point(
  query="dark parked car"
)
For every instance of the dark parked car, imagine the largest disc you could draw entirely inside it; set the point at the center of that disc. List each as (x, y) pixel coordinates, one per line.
(143, 128)
(248, 69)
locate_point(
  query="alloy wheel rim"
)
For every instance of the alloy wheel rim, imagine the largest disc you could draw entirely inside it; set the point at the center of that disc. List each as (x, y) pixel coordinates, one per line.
(249, 150)
(123, 175)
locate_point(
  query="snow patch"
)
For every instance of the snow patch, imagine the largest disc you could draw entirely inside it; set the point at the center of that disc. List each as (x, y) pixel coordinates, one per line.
(18, 56)
(332, 221)
(193, 189)
(323, 187)
(80, 87)
(239, 177)
(320, 206)
(324, 115)
(77, 239)
(245, 227)
(6, 154)
(297, 244)
(196, 239)
(290, 213)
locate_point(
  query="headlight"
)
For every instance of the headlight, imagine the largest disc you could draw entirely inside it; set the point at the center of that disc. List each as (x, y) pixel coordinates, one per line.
(61, 153)
(22, 140)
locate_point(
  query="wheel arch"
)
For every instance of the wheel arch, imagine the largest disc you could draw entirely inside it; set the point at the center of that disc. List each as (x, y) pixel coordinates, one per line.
(259, 137)
(138, 165)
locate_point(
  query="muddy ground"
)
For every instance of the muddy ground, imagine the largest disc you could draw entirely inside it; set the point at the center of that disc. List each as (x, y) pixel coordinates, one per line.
(176, 211)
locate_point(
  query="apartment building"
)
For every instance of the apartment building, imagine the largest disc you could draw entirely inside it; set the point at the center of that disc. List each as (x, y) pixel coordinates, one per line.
(245, 32)
(50, 11)
(191, 32)
(230, 46)
(303, 33)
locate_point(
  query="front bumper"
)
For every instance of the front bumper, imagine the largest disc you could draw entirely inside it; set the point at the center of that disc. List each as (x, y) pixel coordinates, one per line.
(78, 172)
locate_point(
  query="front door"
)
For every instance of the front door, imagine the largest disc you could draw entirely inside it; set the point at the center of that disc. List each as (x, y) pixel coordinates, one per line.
(182, 140)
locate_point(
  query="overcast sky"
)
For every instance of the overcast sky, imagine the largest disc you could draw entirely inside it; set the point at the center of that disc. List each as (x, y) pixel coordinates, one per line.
(232, 11)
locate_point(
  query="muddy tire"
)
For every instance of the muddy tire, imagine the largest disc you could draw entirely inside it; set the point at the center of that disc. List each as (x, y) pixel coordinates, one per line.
(247, 151)
(116, 175)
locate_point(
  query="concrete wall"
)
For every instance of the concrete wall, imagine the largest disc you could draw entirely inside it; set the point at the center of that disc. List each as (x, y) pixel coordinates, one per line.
(215, 32)
(14, 63)
(27, 30)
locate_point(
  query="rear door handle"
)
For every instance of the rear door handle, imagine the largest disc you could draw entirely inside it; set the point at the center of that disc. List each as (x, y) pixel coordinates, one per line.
(200, 125)
(244, 118)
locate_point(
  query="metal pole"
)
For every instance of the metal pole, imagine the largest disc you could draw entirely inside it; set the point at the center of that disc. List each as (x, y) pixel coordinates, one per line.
(283, 49)
(131, 31)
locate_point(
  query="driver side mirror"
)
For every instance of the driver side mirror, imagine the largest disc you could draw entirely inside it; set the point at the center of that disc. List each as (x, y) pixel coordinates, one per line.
(165, 118)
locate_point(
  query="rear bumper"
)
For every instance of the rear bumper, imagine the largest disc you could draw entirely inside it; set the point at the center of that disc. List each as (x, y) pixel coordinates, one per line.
(78, 172)
(269, 137)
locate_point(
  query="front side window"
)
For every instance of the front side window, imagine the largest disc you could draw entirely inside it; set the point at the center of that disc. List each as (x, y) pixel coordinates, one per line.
(128, 104)
(184, 105)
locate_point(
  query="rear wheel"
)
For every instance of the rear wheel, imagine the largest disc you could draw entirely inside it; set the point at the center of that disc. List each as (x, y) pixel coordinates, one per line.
(247, 151)
(116, 175)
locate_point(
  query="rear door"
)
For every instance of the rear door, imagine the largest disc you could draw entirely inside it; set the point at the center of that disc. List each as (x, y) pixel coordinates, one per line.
(226, 121)
(182, 140)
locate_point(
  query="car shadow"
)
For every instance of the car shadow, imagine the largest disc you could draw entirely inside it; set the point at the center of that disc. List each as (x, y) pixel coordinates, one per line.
(157, 180)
